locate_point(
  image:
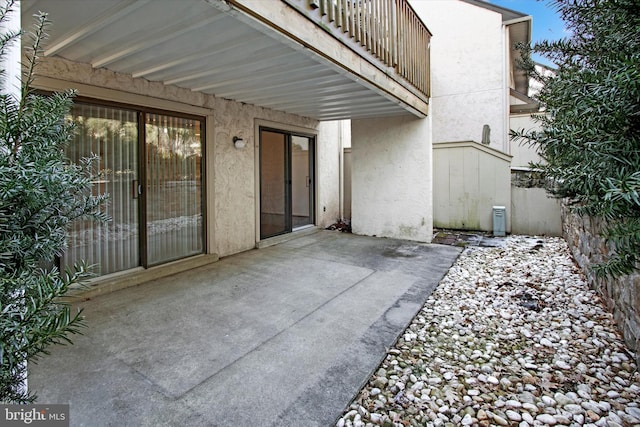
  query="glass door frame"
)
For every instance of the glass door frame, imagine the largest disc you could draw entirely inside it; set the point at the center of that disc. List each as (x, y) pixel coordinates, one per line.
(143, 170)
(309, 182)
(288, 208)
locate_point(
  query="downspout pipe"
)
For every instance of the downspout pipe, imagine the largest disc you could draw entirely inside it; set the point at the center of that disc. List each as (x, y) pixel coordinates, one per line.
(506, 58)
(341, 168)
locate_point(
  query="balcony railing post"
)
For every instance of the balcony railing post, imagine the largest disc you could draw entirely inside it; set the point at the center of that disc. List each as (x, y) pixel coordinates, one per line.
(375, 29)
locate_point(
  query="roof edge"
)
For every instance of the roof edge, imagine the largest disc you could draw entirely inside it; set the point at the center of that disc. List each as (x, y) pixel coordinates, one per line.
(507, 14)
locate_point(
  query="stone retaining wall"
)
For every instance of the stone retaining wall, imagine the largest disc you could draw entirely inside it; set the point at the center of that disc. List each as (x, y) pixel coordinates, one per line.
(621, 295)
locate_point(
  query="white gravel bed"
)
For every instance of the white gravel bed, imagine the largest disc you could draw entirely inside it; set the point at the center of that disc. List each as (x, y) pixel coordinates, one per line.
(511, 336)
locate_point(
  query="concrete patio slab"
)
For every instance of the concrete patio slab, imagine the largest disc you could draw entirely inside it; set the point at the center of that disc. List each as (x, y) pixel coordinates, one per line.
(281, 336)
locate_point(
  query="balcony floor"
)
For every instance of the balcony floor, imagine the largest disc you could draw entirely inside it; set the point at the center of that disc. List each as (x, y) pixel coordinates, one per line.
(212, 48)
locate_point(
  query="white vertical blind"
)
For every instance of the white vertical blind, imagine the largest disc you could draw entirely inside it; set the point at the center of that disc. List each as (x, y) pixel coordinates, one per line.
(112, 134)
(172, 185)
(174, 190)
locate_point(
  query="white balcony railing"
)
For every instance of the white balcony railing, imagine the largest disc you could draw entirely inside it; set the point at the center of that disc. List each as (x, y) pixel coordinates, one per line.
(389, 30)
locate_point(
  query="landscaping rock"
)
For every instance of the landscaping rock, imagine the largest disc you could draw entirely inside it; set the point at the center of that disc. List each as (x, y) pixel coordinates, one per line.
(476, 355)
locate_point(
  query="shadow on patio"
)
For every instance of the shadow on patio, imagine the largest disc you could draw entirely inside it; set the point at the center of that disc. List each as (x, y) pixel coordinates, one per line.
(281, 336)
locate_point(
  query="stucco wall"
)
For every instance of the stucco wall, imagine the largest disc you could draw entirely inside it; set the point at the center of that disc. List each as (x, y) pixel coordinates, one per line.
(328, 165)
(391, 178)
(523, 154)
(467, 71)
(469, 179)
(231, 185)
(347, 184)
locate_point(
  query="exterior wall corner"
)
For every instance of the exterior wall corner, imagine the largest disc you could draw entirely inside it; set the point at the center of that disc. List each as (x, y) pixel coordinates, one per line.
(391, 178)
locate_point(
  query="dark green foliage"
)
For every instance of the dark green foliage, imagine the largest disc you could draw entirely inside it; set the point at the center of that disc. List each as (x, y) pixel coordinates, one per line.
(590, 137)
(41, 192)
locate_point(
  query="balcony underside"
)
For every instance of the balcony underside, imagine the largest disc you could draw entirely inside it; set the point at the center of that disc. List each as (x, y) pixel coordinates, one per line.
(211, 47)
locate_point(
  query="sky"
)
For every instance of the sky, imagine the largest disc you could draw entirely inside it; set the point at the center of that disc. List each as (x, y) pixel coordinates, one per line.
(547, 25)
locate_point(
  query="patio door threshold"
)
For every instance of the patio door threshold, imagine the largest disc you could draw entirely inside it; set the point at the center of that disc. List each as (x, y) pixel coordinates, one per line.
(297, 232)
(108, 283)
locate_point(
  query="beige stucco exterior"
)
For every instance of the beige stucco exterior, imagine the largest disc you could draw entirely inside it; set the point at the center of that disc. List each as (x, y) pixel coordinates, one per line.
(391, 179)
(328, 169)
(468, 80)
(230, 172)
(523, 154)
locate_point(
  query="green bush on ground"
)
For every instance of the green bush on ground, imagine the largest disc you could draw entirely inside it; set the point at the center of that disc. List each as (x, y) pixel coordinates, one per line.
(590, 129)
(41, 192)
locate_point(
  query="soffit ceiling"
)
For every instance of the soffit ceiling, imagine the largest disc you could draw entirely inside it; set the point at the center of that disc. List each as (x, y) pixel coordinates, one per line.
(507, 14)
(519, 32)
(194, 45)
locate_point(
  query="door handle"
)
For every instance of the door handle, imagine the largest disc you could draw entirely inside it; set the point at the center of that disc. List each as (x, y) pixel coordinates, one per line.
(136, 188)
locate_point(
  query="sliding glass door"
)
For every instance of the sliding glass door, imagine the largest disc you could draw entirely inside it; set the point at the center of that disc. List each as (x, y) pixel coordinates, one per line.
(286, 182)
(150, 165)
(173, 188)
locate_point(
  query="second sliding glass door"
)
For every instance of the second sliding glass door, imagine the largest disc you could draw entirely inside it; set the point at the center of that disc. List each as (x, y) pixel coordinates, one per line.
(286, 182)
